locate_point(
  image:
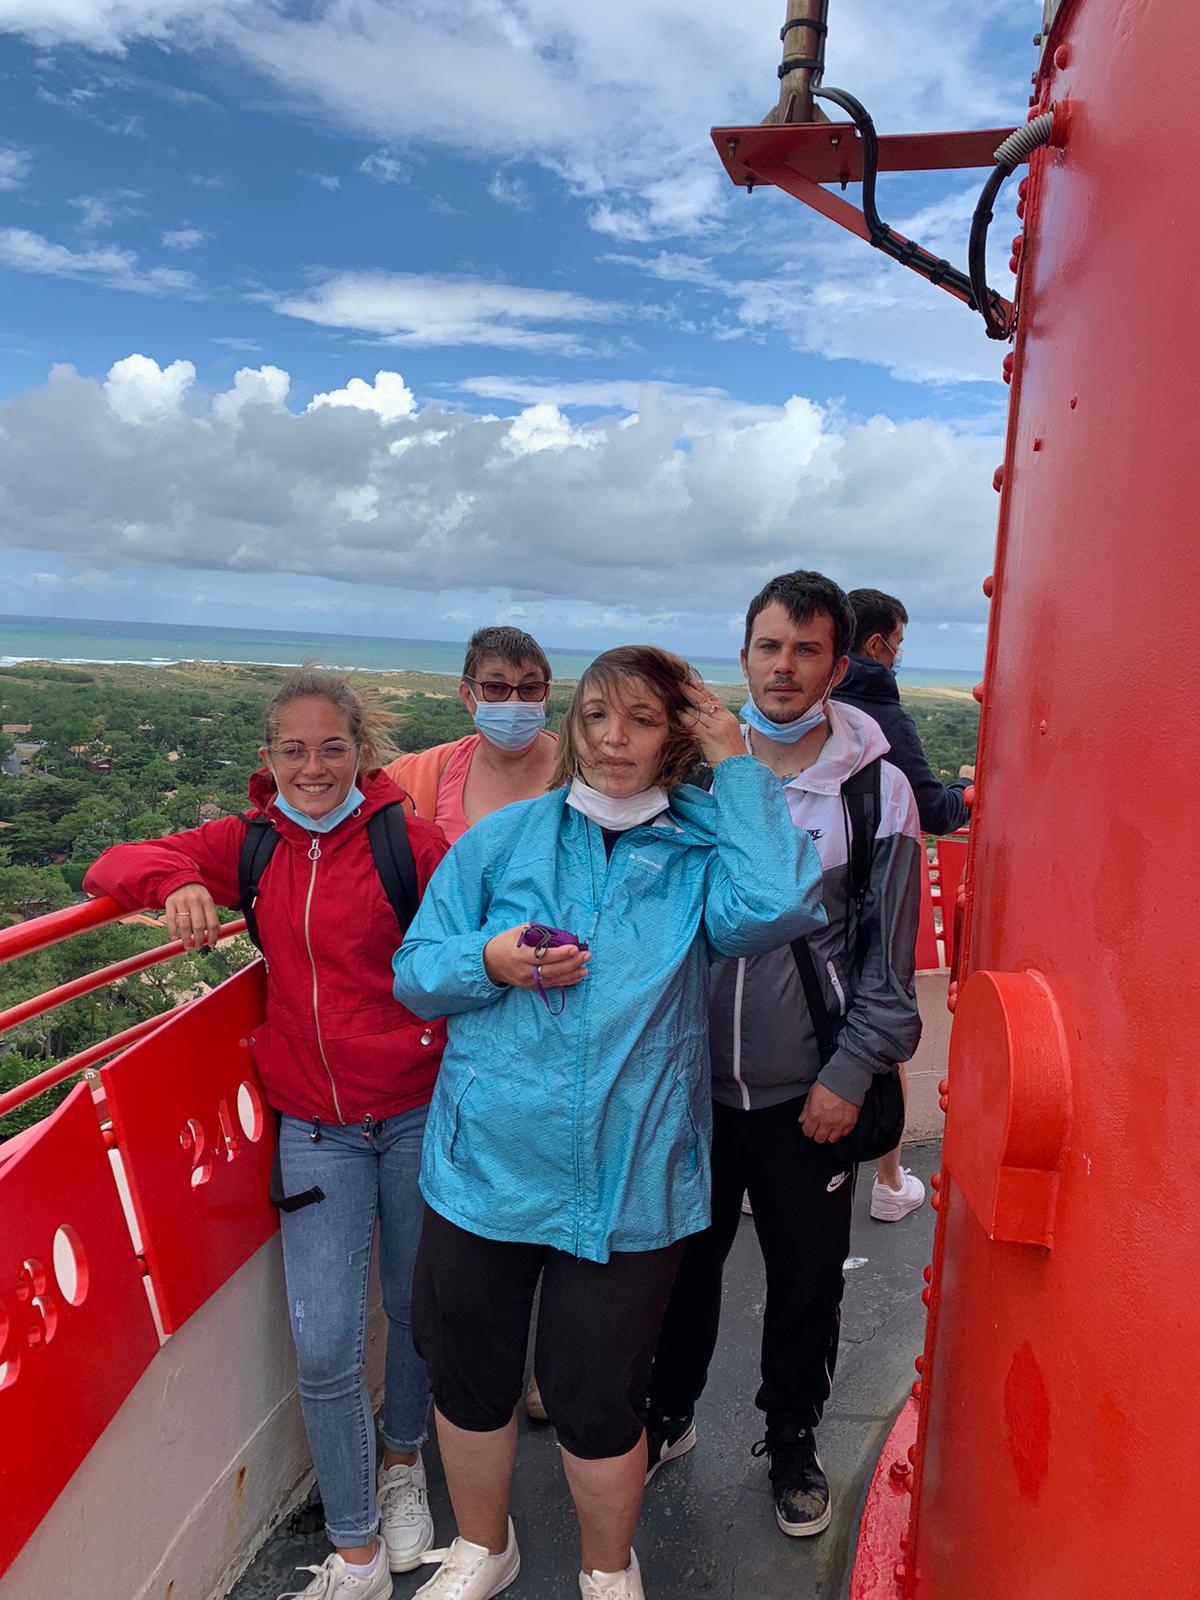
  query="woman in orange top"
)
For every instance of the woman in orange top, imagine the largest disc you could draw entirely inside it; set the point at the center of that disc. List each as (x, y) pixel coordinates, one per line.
(510, 756)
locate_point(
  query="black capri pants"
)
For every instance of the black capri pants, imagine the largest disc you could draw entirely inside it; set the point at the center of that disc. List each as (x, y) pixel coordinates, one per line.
(598, 1324)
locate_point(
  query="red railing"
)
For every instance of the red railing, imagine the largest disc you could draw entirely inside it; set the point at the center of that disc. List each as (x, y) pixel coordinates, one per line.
(181, 1113)
(24, 938)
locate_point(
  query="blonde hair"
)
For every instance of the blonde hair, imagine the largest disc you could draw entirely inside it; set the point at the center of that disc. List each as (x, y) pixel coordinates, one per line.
(369, 723)
(664, 675)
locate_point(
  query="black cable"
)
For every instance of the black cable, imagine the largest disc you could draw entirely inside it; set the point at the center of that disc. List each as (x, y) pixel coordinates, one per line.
(905, 251)
(998, 327)
(1014, 151)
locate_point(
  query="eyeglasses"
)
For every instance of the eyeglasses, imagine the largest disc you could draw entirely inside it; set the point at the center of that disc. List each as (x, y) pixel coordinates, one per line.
(492, 689)
(333, 752)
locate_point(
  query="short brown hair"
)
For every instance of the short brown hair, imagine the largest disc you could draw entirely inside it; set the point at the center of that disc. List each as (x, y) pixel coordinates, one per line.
(368, 723)
(510, 644)
(664, 675)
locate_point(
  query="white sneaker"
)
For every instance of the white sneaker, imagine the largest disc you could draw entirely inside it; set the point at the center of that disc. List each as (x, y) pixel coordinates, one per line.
(889, 1205)
(625, 1585)
(469, 1572)
(404, 1517)
(747, 1208)
(331, 1581)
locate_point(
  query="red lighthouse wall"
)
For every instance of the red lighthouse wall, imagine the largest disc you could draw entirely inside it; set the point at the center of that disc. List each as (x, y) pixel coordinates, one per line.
(1060, 1408)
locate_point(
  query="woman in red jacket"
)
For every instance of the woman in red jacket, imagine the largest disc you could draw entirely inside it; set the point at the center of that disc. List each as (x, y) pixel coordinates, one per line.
(351, 1071)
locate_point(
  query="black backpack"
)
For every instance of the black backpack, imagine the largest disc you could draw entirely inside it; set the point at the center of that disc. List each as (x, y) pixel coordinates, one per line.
(880, 1125)
(390, 846)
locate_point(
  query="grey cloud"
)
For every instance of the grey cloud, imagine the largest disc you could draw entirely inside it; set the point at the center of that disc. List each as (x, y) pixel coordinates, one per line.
(674, 507)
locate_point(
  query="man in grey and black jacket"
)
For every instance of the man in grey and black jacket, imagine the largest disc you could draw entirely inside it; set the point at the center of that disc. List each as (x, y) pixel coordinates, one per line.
(778, 1111)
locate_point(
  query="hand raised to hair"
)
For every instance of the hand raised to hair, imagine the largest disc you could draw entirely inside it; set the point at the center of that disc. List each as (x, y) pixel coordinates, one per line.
(713, 726)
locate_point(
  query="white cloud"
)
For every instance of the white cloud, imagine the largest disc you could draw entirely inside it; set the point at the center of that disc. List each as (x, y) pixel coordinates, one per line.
(200, 180)
(383, 167)
(23, 251)
(252, 386)
(100, 211)
(821, 291)
(679, 509)
(389, 397)
(602, 394)
(508, 191)
(183, 238)
(544, 427)
(234, 343)
(426, 311)
(615, 100)
(141, 392)
(327, 180)
(14, 166)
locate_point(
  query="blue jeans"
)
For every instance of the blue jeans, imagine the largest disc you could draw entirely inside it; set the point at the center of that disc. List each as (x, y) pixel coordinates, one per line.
(326, 1254)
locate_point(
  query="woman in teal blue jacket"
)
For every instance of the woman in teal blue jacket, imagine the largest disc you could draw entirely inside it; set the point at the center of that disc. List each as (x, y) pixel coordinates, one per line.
(569, 1130)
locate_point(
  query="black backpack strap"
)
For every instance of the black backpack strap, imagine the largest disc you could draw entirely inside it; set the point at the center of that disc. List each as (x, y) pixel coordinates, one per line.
(861, 796)
(824, 1026)
(392, 850)
(258, 846)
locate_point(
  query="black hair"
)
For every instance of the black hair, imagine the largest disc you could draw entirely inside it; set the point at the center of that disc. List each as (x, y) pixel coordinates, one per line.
(805, 595)
(875, 613)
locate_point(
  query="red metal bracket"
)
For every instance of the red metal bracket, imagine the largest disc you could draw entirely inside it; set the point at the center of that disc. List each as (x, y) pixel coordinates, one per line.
(799, 157)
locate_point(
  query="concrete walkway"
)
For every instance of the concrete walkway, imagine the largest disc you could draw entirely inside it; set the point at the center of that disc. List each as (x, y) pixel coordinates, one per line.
(708, 1527)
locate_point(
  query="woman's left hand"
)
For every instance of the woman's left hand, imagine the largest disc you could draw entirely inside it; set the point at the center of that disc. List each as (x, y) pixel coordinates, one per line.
(715, 729)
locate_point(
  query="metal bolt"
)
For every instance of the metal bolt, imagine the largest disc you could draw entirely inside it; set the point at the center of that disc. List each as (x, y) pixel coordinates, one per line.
(1037, 444)
(731, 148)
(1074, 401)
(1062, 56)
(919, 1363)
(927, 1273)
(998, 478)
(989, 585)
(944, 1086)
(926, 1296)
(977, 693)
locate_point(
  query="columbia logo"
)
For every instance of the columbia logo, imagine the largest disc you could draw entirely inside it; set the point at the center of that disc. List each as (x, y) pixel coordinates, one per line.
(645, 861)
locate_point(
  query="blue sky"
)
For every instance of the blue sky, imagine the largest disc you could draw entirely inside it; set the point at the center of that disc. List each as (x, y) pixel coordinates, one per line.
(614, 394)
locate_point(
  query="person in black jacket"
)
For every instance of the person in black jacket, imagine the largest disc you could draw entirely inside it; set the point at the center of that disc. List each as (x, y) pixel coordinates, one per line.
(870, 684)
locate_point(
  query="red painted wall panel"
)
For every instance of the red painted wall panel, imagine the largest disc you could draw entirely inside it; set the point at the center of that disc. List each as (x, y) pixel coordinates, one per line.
(76, 1330)
(197, 1140)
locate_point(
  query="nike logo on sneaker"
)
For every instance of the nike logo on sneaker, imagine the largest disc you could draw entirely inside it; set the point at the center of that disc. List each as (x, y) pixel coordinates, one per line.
(836, 1181)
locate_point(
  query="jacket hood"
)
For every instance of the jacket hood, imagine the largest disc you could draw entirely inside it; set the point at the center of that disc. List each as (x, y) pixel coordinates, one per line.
(854, 739)
(378, 791)
(867, 680)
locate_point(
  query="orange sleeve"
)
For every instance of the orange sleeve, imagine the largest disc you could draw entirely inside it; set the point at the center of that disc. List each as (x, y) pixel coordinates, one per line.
(418, 775)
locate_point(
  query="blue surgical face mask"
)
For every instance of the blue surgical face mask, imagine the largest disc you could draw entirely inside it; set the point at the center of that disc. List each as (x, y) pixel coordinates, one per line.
(510, 724)
(785, 732)
(330, 820)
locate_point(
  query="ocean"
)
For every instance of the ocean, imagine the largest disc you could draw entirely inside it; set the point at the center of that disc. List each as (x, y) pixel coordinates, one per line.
(81, 641)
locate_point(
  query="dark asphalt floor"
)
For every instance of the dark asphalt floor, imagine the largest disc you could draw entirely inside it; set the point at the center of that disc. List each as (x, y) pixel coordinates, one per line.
(708, 1526)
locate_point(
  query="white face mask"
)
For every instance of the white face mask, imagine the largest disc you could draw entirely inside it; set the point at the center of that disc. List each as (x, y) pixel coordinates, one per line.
(617, 812)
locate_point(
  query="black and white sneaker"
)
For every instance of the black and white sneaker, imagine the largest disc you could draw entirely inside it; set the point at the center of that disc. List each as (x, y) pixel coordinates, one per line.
(799, 1486)
(667, 1438)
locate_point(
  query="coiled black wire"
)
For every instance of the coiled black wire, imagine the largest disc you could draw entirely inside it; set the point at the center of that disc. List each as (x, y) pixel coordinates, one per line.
(1014, 152)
